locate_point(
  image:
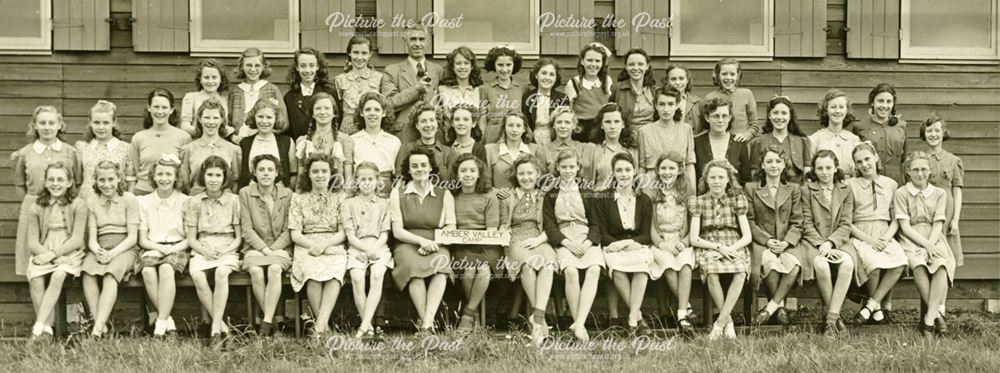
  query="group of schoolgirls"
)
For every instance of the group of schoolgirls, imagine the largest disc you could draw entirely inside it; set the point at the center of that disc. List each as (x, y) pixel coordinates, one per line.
(615, 178)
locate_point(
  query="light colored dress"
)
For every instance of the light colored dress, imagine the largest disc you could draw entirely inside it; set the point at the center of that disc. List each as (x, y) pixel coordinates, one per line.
(841, 144)
(671, 225)
(872, 215)
(216, 220)
(93, 152)
(56, 233)
(163, 219)
(350, 87)
(317, 215)
(113, 216)
(367, 218)
(923, 208)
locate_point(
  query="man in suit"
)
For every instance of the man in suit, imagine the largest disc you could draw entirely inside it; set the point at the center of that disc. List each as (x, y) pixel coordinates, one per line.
(409, 82)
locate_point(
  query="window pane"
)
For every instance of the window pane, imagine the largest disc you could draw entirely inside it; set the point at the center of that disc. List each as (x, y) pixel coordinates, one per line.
(245, 20)
(729, 22)
(951, 24)
(483, 22)
(21, 19)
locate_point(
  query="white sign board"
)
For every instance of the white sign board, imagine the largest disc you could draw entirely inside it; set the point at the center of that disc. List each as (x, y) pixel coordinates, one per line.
(471, 237)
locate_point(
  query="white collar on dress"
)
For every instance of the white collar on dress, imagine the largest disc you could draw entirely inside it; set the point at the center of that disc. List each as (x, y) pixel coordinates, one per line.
(39, 148)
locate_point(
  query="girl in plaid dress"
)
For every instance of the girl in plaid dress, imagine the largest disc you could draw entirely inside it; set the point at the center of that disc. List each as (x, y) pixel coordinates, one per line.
(721, 231)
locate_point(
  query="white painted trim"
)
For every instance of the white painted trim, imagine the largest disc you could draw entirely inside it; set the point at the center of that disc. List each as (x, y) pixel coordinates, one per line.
(679, 49)
(534, 47)
(962, 55)
(216, 47)
(32, 45)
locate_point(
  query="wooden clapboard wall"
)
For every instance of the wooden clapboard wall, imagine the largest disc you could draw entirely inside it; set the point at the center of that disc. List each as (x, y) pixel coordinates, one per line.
(967, 95)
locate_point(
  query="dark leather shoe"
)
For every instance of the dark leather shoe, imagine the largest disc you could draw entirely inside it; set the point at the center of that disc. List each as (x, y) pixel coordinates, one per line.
(761, 317)
(781, 316)
(940, 327)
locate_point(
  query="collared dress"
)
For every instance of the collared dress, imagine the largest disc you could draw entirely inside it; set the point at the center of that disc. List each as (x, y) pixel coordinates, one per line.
(420, 215)
(522, 212)
(670, 224)
(889, 141)
(948, 172)
(93, 152)
(317, 215)
(216, 221)
(501, 102)
(873, 214)
(163, 220)
(367, 218)
(196, 152)
(841, 144)
(923, 208)
(340, 146)
(112, 218)
(720, 224)
(54, 225)
(350, 87)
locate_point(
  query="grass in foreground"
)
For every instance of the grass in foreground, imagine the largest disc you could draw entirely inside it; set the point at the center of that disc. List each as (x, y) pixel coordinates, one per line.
(973, 345)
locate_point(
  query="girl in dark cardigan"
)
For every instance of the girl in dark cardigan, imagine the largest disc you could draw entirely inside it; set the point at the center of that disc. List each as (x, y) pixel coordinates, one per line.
(574, 231)
(625, 217)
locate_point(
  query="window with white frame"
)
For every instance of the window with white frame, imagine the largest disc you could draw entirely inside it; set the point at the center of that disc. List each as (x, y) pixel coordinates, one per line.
(736, 28)
(484, 25)
(230, 26)
(27, 27)
(953, 29)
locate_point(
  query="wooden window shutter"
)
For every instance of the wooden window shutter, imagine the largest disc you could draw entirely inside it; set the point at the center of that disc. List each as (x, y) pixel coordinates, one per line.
(315, 31)
(160, 26)
(654, 40)
(566, 41)
(81, 25)
(873, 29)
(800, 28)
(392, 42)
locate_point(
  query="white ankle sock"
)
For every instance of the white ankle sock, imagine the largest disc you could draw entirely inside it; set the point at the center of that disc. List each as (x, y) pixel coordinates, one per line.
(160, 328)
(771, 307)
(170, 324)
(877, 316)
(37, 329)
(682, 313)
